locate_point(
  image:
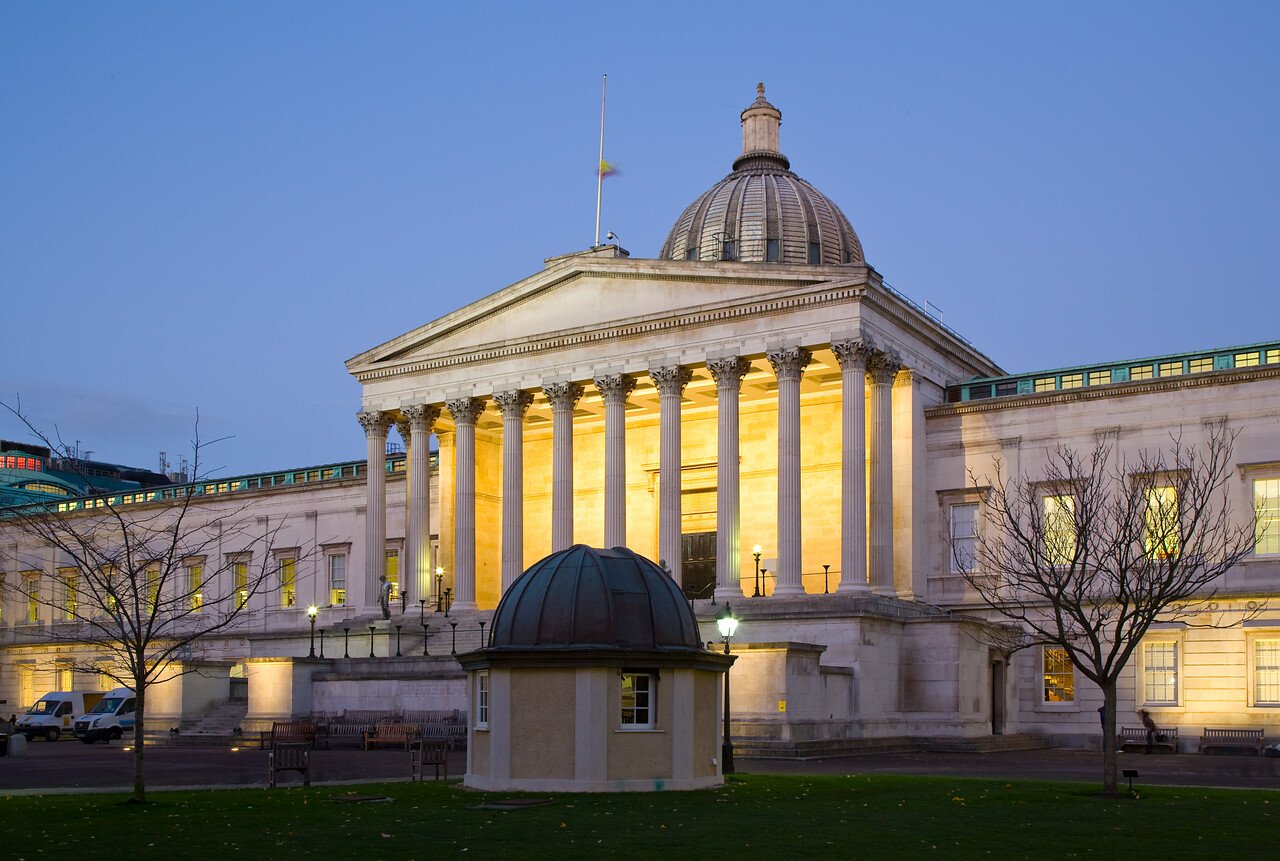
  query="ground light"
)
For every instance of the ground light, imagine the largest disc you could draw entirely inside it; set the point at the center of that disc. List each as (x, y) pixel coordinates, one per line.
(728, 624)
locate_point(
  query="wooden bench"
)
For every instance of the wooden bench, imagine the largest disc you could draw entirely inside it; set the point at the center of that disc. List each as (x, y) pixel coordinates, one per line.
(423, 753)
(291, 756)
(348, 734)
(288, 732)
(1232, 738)
(396, 734)
(1136, 736)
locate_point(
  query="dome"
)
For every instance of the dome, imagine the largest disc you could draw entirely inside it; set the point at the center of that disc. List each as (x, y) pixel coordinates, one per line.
(762, 212)
(584, 598)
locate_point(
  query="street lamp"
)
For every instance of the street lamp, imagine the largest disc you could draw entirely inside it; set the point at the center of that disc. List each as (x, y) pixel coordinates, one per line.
(755, 551)
(439, 587)
(453, 647)
(311, 614)
(422, 611)
(728, 624)
(826, 583)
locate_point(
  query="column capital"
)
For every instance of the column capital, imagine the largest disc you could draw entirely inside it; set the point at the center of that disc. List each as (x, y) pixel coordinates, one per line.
(422, 415)
(465, 411)
(789, 362)
(513, 404)
(853, 353)
(374, 422)
(728, 372)
(883, 366)
(672, 380)
(405, 432)
(562, 396)
(615, 388)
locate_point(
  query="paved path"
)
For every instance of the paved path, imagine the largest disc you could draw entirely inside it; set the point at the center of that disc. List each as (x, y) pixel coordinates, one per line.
(68, 766)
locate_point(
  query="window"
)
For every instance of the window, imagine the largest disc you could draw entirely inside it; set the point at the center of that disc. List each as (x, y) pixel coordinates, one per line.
(1059, 676)
(1046, 384)
(1247, 360)
(482, 699)
(1060, 529)
(26, 686)
(1266, 507)
(393, 573)
(1266, 672)
(691, 254)
(1163, 533)
(288, 581)
(31, 594)
(69, 579)
(815, 253)
(1201, 365)
(637, 700)
(964, 537)
(240, 576)
(772, 251)
(337, 579)
(1141, 372)
(1273, 356)
(1170, 369)
(195, 585)
(105, 682)
(62, 680)
(1160, 673)
(1072, 381)
(729, 250)
(1099, 378)
(153, 589)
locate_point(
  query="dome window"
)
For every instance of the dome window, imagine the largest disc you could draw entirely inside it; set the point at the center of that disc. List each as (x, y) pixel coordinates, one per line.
(815, 253)
(729, 251)
(691, 254)
(771, 251)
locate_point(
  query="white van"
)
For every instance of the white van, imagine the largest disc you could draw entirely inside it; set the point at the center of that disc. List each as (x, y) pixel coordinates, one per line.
(53, 713)
(113, 716)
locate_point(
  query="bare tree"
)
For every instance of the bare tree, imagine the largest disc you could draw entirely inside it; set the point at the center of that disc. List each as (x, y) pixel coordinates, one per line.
(142, 578)
(1089, 554)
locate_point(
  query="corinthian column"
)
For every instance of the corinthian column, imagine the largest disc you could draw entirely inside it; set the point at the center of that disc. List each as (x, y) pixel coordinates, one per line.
(882, 368)
(670, 383)
(375, 424)
(614, 389)
(563, 398)
(513, 405)
(728, 374)
(465, 412)
(420, 419)
(852, 356)
(788, 365)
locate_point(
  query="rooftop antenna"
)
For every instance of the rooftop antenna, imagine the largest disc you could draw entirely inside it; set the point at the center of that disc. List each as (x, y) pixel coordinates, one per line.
(604, 80)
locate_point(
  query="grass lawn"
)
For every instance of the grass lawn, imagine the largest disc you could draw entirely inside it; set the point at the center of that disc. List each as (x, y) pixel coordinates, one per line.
(754, 816)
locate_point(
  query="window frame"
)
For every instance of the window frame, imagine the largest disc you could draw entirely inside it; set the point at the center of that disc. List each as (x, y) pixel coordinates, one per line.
(954, 562)
(286, 588)
(483, 691)
(331, 554)
(1272, 513)
(649, 695)
(1068, 674)
(1143, 685)
(1254, 642)
(192, 579)
(29, 581)
(1052, 534)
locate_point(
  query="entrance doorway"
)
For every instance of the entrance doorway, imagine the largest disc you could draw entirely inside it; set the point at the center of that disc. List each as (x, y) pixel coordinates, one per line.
(698, 564)
(997, 697)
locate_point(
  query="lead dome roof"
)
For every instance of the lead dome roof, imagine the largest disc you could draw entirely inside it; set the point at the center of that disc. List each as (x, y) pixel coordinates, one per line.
(587, 598)
(763, 202)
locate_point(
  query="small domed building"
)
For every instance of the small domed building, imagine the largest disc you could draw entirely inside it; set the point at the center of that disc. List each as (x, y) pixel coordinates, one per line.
(594, 680)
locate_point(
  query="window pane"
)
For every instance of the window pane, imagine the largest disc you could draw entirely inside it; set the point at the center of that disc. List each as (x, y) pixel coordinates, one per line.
(1163, 534)
(1160, 662)
(636, 704)
(1266, 506)
(1060, 529)
(964, 536)
(337, 580)
(1059, 676)
(1266, 672)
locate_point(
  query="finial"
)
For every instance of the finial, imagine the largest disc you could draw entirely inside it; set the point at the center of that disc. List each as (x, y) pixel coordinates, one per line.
(760, 89)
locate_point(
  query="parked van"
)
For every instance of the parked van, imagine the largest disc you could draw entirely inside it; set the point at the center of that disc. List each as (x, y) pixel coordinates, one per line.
(113, 716)
(53, 713)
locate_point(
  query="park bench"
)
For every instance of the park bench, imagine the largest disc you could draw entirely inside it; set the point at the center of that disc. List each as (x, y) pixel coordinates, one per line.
(348, 734)
(1229, 738)
(1136, 736)
(397, 734)
(449, 725)
(288, 732)
(291, 756)
(434, 753)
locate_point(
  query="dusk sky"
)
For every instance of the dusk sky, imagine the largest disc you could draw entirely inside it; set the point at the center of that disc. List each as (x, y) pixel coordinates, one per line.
(212, 206)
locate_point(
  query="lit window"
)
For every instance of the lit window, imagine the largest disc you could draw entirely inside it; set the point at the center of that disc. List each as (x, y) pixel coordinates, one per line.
(1160, 673)
(1059, 676)
(240, 576)
(637, 700)
(1060, 529)
(393, 573)
(964, 537)
(1163, 531)
(1201, 365)
(1266, 672)
(1072, 381)
(1247, 360)
(153, 589)
(70, 582)
(482, 699)
(288, 581)
(1273, 356)
(62, 679)
(338, 579)
(1266, 507)
(1099, 378)
(195, 586)
(31, 594)
(1170, 369)
(1140, 372)
(1046, 384)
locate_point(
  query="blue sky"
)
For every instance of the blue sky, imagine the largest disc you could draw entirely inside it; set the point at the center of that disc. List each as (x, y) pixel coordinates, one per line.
(212, 206)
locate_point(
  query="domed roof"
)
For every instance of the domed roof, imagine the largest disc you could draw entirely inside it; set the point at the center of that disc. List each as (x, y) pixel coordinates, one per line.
(762, 212)
(584, 598)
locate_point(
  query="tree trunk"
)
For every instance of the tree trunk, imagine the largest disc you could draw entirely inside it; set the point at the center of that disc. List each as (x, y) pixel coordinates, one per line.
(139, 785)
(1109, 782)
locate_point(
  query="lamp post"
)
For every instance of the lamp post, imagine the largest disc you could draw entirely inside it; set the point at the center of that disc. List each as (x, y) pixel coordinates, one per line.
(439, 587)
(398, 627)
(422, 611)
(764, 581)
(426, 636)
(482, 624)
(404, 601)
(322, 642)
(728, 624)
(346, 640)
(453, 646)
(826, 584)
(311, 614)
(755, 551)
(371, 630)
(448, 599)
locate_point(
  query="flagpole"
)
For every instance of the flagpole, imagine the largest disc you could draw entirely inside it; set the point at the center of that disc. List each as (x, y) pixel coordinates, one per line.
(604, 79)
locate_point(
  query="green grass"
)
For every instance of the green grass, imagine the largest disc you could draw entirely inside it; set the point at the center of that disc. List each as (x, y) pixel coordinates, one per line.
(754, 816)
